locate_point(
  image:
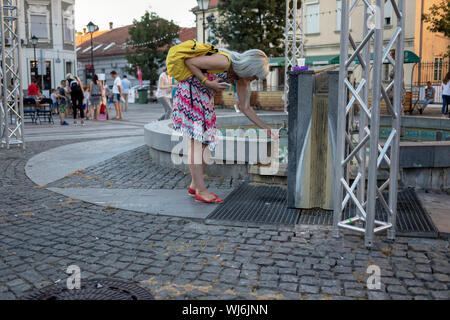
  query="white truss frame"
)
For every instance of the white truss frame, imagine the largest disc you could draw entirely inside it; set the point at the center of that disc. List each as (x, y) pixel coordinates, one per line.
(11, 91)
(293, 41)
(365, 196)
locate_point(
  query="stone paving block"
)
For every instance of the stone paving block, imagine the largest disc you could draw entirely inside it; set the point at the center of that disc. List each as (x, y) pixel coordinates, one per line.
(418, 291)
(441, 295)
(442, 277)
(307, 289)
(127, 241)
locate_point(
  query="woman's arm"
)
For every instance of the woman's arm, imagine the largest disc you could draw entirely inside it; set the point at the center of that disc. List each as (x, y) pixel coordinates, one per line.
(81, 85)
(242, 89)
(164, 83)
(214, 62)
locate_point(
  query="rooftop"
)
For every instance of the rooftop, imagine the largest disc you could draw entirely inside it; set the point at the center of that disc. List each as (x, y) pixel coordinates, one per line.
(114, 42)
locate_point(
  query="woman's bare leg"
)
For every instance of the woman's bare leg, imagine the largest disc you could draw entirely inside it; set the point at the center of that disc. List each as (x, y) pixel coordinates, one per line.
(196, 166)
(91, 113)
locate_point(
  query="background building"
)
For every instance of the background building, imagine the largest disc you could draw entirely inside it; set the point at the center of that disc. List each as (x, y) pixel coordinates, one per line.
(211, 13)
(110, 50)
(52, 21)
(322, 23)
(322, 33)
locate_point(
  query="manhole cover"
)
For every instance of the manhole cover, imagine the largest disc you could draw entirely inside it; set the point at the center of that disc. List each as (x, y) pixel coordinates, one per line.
(93, 290)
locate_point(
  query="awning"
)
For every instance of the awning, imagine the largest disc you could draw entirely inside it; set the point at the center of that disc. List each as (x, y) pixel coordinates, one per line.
(310, 61)
(410, 57)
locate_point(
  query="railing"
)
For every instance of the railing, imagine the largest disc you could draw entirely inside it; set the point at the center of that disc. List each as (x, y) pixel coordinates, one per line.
(437, 96)
(431, 71)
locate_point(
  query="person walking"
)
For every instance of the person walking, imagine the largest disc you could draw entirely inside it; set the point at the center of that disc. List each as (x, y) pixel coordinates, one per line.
(96, 89)
(54, 101)
(163, 94)
(62, 103)
(87, 103)
(445, 94)
(193, 111)
(108, 99)
(117, 94)
(76, 91)
(430, 93)
(126, 86)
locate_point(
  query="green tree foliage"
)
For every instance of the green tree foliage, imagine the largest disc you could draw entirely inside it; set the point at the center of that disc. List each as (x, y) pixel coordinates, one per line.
(251, 24)
(439, 18)
(150, 40)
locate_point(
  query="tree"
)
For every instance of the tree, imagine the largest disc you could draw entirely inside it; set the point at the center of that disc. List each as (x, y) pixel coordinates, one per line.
(251, 24)
(150, 40)
(439, 18)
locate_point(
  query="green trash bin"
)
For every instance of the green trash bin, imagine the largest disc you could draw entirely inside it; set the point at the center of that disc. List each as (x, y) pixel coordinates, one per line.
(143, 96)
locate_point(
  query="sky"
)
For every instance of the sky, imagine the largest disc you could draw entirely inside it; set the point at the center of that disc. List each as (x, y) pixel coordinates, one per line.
(122, 12)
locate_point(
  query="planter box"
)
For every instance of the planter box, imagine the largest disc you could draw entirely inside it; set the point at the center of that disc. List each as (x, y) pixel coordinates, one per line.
(272, 100)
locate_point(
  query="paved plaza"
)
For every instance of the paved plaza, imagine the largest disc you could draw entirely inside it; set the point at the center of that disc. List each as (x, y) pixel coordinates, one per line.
(90, 196)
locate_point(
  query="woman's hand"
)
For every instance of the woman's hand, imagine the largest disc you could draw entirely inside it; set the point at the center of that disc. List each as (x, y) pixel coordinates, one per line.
(215, 85)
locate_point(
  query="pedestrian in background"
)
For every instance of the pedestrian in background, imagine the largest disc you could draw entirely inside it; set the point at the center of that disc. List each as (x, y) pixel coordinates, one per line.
(62, 103)
(107, 98)
(117, 94)
(164, 94)
(76, 91)
(96, 90)
(445, 94)
(54, 101)
(126, 86)
(86, 103)
(174, 88)
(33, 90)
(430, 93)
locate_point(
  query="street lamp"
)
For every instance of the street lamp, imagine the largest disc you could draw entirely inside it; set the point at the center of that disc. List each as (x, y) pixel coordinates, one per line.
(91, 28)
(34, 42)
(203, 6)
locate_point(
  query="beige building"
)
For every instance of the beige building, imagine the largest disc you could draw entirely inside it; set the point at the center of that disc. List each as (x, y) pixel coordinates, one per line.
(321, 24)
(322, 33)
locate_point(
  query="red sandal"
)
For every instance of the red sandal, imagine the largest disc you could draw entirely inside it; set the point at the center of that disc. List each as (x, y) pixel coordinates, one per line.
(192, 192)
(215, 200)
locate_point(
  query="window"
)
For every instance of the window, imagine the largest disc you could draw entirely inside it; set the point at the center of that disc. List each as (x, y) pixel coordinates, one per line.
(109, 46)
(38, 20)
(68, 67)
(98, 47)
(437, 69)
(386, 72)
(39, 26)
(312, 18)
(211, 36)
(338, 14)
(388, 14)
(68, 24)
(68, 30)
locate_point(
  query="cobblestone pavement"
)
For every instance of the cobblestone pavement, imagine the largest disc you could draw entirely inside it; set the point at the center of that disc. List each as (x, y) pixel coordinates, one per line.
(42, 233)
(134, 170)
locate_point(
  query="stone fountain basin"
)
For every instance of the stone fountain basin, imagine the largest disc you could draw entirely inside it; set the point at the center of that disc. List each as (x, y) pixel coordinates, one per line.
(166, 148)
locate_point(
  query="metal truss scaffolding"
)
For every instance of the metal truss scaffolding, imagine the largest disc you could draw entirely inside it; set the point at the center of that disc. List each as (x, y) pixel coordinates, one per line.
(293, 41)
(11, 93)
(359, 159)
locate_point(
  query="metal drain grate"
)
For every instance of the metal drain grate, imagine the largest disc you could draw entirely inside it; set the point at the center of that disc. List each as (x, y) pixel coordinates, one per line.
(255, 205)
(93, 290)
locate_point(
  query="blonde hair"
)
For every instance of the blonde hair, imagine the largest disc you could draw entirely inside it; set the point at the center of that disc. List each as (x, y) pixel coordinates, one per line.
(250, 63)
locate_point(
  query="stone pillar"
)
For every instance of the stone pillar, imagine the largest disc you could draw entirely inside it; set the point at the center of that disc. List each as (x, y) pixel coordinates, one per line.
(312, 132)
